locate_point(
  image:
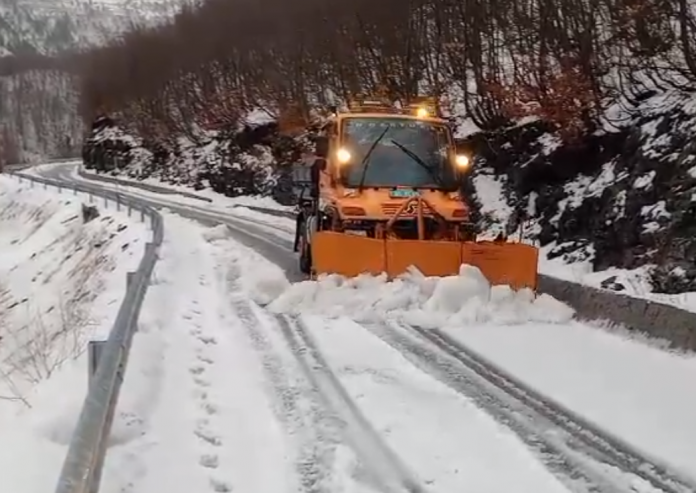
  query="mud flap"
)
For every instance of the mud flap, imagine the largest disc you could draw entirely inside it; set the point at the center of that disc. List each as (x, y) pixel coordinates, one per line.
(347, 255)
(432, 258)
(514, 264)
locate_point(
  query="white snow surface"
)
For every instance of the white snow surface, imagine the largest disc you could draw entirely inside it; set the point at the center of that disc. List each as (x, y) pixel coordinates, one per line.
(61, 283)
(194, 414)
(213, 389)
(640, 393)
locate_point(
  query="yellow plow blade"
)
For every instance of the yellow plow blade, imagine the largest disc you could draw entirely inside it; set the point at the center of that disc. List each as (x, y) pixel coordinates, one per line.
(432, 258)
(349, 255)
(514, 264)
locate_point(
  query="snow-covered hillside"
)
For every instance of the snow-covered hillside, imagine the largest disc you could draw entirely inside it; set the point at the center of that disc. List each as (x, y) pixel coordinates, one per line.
(61, 283)
(624, 198)
(39, 111)
(51, 26)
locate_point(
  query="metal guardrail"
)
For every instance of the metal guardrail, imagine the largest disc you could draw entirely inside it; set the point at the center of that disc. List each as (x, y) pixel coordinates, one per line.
(138, 184)
(84, 461)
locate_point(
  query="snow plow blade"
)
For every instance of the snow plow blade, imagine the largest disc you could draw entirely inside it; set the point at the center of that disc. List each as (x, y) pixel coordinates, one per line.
(349, 255)
(514, 264)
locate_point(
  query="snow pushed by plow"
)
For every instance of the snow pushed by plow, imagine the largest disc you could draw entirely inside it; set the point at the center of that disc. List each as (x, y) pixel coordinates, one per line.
(426, 302)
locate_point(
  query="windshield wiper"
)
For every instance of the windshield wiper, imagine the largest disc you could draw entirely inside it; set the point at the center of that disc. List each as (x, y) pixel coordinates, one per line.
(420, 161)
(365, 162)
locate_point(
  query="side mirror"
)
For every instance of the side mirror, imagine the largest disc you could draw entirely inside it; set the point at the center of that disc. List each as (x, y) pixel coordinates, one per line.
(319, 164)
(322, 147)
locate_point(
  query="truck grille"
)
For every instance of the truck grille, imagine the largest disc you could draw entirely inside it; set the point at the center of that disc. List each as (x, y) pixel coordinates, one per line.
(391, 209)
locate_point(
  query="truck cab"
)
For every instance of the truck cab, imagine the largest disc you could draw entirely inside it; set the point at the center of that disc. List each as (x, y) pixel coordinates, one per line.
(370, 162)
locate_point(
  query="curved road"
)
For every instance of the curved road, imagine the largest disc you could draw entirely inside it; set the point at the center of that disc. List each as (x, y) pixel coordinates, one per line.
(276, 249)
(583, 456)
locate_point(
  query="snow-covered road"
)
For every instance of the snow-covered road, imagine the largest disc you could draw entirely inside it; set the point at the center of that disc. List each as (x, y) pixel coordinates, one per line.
(225, 395)
(229, 391)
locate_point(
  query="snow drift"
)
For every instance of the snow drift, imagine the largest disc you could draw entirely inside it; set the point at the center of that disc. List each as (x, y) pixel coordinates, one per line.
(428, 302)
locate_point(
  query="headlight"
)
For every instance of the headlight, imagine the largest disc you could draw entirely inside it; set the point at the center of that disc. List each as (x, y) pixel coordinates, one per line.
(343, 156)
(422, 113)
(462, 161)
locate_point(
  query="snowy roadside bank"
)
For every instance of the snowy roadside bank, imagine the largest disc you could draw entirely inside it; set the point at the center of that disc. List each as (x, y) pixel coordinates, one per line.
(61, 283)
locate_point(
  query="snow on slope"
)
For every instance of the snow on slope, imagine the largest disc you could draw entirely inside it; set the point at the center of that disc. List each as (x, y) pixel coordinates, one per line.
(50, 26)
(61, 283)
(615, 210)
(575, 266)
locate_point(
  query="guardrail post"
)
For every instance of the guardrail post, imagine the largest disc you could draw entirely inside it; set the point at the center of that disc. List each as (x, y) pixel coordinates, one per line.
(118, 202)
(130, 277)
(94, 352)
(106, 202)
(142, 215)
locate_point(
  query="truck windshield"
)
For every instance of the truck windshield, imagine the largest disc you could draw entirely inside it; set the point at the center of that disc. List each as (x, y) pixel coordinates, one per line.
(411, 153)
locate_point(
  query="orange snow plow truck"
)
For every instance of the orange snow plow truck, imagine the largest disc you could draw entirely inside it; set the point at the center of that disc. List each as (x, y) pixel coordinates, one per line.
(384, 192)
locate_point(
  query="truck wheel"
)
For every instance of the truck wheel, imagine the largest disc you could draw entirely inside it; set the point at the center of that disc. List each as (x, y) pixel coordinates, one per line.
(305, 257)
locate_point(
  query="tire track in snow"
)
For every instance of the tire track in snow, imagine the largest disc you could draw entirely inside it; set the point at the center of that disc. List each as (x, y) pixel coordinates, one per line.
(316, 431)
(314, 406)
(584, 458)
(392, 474)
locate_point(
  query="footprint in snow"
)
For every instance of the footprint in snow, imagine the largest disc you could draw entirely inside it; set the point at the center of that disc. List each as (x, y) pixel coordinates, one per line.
(209, 461)
(219, 486)
(208, 436)
(205, 359)
(207, 339)
(209, 408)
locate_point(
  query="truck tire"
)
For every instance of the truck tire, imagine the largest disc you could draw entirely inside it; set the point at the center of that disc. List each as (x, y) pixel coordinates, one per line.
(305, 257)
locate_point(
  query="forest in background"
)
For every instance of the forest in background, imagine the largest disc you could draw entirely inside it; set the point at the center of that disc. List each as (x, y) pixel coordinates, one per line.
(39, 101)
(497, 60)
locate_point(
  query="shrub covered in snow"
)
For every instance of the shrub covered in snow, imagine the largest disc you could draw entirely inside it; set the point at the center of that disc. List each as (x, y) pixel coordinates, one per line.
(623, 198)
(253, 161)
